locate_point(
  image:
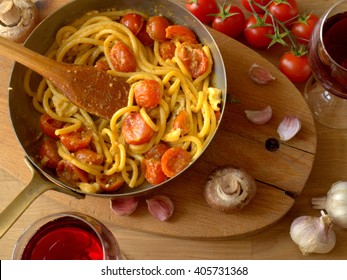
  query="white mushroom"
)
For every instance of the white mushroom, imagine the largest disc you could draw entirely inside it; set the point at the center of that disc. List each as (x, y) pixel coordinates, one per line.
(229, 189)
(17, 19)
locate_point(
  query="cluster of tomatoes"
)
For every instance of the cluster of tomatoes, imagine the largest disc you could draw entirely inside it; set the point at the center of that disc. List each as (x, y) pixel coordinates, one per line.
(270, 22)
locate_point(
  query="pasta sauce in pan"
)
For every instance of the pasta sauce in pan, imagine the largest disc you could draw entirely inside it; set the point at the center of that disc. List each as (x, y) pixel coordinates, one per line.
(171, 112)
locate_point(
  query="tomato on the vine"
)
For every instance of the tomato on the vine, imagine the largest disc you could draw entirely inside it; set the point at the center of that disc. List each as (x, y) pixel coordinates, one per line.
(257, 31)
(303, 27)
(258, 10)
(295, 66)
(202, 9)
(230, 20)
(285, 11)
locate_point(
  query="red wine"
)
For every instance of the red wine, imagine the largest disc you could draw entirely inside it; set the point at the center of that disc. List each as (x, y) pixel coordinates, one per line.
(328, 61)
(66, 238)
(335, 38)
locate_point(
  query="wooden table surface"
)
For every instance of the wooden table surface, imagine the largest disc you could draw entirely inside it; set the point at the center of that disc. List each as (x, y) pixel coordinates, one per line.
(272, 243)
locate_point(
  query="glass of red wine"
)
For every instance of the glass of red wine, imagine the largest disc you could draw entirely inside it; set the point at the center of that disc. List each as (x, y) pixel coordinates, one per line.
(67, 236)
(326, 90)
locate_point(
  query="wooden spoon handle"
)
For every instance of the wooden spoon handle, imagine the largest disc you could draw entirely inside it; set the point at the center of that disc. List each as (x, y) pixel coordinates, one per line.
(42, 65)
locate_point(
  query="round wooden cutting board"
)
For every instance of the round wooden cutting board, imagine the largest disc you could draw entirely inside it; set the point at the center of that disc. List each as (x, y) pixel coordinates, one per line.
(281, 175)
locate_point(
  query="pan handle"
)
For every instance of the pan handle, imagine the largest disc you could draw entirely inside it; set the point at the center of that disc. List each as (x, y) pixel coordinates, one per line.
(37, 186)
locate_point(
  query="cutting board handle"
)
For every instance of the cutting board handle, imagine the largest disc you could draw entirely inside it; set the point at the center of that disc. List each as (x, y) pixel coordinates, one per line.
(37, 186)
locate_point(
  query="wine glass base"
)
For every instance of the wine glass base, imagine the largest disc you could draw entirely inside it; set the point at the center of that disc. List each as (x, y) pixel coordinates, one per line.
(327, 108)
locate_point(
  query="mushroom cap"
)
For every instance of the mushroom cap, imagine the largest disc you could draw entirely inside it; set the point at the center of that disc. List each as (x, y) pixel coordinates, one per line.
(27, 18)
(229, 189)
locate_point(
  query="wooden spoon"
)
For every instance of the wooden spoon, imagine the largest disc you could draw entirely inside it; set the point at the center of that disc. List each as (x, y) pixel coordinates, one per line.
(87, 87)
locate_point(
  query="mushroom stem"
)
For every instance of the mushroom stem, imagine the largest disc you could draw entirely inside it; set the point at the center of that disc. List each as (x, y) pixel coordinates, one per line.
(10, 14)
(17, 19)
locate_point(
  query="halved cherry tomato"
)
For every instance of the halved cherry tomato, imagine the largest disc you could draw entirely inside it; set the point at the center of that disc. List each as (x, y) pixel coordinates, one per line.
(135, 130)
(157, 151)
(156, 26)
(285, 11)
(303, 27)
(256, 9)
(49, 154)
(88, 156)
(256, 33)
(202, 9)
(148, 93)
(167, 50)
(70, 173)
(193, 58)
(174, 161)
(133, 21)
(152, 171)
(110, 183)
(181, 34)
(182, 121)
(144, 37)
(102, 65)
(50, 125)
(77, 140)
(122, 58)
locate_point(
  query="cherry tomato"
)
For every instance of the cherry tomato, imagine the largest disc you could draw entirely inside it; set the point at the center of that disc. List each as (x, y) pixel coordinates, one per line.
(110, 183)
(156, 26)
(50, 125)
(135, 129)
(193, 58)
(182, 121)
(88, 156)
(49, 154)
(70, 173)
(122, 58)
(148, 93)
(202, 9)
(153, 171)
(284, 10)
(133, 21)
(230, 21)
(102, 65)
(167, 50)
(303, 27)
(144, 37)
(296, 68)
(174, 160)
(256, 33)
(181, 34)
(256, 9)
(157, 151)
(77, 140)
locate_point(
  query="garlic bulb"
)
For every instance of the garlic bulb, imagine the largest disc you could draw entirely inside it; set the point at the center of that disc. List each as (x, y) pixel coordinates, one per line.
(335, 203)
(312, 234)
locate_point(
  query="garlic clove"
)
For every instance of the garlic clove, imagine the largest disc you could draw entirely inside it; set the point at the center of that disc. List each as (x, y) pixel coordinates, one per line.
(161, 207)
(259, 117)
(288, 128)
(312, 234)
(260, 75)
(124, 206)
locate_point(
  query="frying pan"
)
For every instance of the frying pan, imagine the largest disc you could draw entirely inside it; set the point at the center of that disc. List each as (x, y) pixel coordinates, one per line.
(25, 119)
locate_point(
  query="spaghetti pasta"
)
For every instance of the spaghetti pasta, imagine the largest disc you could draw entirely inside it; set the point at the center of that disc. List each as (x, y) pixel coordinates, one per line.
(90, 40)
